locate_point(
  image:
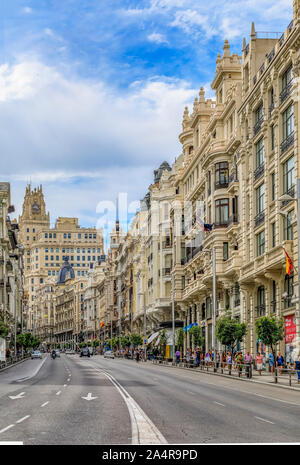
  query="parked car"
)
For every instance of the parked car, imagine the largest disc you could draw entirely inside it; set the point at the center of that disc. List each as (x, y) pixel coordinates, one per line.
(57, 353)
(69, 352)
(36, 354)
(85, 352)
(109, 354)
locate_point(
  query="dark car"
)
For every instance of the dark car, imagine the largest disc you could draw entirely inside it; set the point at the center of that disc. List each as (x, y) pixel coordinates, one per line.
(85, 352)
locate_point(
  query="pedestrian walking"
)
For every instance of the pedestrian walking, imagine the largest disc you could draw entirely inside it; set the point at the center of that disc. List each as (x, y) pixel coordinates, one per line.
(218, 359)
(259, 362)
(248, 361)
(271, 361)
(177, 353)
(240, 361)
(279, 362)
(137, 356)
(198, 356)
(229, 361)
(297, 367)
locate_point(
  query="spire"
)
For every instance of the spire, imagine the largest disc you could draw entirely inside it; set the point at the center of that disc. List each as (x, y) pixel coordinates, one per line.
(226, 49)
(253, 33)
(195, 104)
(244, 43)
(201, 95)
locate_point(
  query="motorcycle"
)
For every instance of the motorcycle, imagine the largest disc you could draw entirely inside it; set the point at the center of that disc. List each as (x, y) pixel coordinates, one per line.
(53, 356)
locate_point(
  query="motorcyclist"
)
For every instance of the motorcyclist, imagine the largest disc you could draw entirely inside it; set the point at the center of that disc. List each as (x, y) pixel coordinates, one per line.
(53, 354)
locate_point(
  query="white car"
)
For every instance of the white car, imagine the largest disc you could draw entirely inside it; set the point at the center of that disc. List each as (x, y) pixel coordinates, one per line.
(36, 354)
(57, 353)
(70, 352)
(109, 354)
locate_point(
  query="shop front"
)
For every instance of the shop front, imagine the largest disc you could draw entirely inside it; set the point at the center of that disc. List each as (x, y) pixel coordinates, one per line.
(290, 338)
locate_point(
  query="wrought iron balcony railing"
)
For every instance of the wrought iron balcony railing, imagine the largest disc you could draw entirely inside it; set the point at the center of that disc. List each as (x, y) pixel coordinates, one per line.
(221, 184)
(260, 310)
(259, 218)
(258, 125)
(291, 192)
(259, 171)
(286, 91)
(286, 144)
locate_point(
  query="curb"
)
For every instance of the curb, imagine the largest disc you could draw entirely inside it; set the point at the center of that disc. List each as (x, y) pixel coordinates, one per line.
(14, 364)
(231, 377)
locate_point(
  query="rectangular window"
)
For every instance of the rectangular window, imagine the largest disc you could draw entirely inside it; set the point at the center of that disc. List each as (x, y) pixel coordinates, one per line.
(260, 243)
(260, 199)
(287, 77)
(273, 234)
(288, 175)
(273, 186)
(259, 114)
(259, 151)
(222, 211)
(208, 307)
(289, 289)
(288, 227)
(221, 171)
(288, 122)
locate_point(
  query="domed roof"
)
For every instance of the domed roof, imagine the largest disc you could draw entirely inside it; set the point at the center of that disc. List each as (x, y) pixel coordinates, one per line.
(66, 272)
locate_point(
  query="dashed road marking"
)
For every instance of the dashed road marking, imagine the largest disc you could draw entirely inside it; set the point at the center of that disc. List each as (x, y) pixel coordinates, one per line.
(23, 419)
(58, 393)
(45, 403)
(219, 403)
(266, 421)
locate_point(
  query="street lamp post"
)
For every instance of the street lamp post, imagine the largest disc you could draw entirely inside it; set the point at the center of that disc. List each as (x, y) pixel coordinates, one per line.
(173, 316)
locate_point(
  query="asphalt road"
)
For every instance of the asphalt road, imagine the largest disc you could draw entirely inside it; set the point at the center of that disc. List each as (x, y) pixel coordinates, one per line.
(73, 400)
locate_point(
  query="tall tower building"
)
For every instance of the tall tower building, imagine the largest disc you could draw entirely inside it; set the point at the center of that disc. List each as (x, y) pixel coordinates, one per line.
(47, 248)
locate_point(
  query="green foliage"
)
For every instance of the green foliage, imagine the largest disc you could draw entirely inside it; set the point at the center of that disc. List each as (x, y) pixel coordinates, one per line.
(125, 341)
(114, 342)
(95, 343)
(198, 339)
(180, 338)
(136, 339)
(163, 341)
(269, 331)
(230, 331)
(27, 340)
(3, 330)
(82, 345)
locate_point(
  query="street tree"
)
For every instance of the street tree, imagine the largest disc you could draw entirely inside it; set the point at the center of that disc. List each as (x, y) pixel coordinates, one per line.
(180, 338)
(197, 338)
(136, 339)
(270, 331)
(163, 341)
(125, 341)
(230, 331)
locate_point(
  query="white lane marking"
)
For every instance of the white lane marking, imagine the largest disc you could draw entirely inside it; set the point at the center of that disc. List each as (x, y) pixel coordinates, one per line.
(34, 374)
(45, 403)
(59, 392)
(5, 429)
(65, 385)
(19, 396)
(219, 403)
(22, 419)
(277, 400)
(89, 397)
(11, 443)
(68, 380)
(190, 392)
(263, 419)
(143, 429)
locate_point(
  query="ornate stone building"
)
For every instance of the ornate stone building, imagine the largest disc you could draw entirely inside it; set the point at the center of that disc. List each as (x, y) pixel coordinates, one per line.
(46, 247)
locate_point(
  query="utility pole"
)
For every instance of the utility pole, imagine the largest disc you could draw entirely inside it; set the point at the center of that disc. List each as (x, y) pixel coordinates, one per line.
(214, 300)
(173, 316)
(145, 324)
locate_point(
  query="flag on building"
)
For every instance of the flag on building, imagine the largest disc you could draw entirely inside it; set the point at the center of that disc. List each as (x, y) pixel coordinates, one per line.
(289, 264)
(101, 324)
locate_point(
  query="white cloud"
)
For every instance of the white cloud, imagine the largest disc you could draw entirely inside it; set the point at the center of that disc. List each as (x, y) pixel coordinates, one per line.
(157, 38)
(84, 140)
(27, 10)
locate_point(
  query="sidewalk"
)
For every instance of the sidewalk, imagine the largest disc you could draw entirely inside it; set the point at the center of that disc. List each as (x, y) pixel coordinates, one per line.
(286, 380)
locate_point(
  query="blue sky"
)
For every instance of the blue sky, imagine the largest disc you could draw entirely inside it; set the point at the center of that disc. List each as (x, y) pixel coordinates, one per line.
(92, 92)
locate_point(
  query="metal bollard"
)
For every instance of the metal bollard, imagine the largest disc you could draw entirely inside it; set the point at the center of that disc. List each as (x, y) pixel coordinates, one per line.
(276, 376)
